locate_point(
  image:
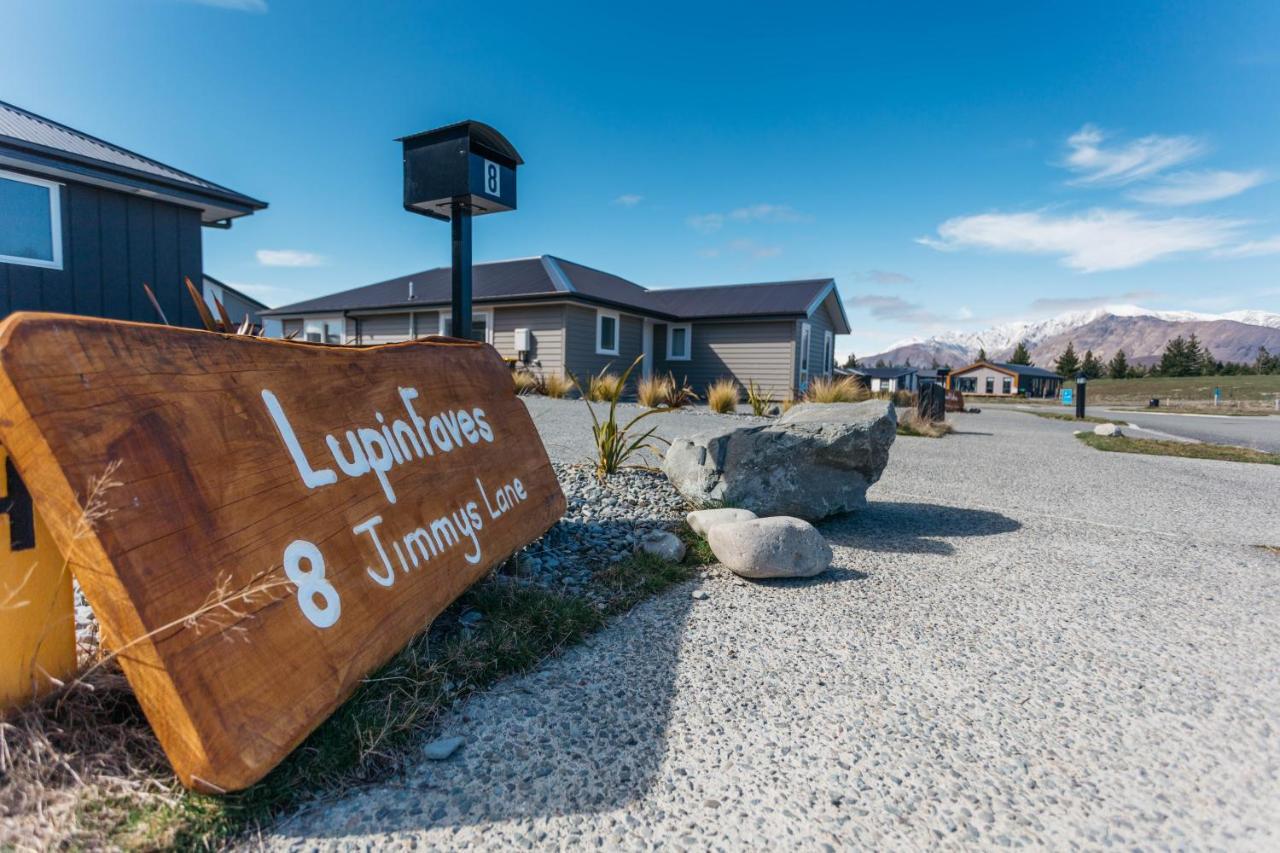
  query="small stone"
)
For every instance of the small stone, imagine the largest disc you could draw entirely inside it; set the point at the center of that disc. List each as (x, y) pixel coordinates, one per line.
(439, 750)
(663, 545)
(704, 519)
(1107, 430)
(700, 595)
(778, 547)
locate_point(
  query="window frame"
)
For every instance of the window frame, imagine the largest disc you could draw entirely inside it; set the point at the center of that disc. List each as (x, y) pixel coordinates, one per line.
(806, 341)
(688, 341)
(991, 385)
(828, 352)
(446, 316)
(617, 331)
(55, 222)
(1006, 386)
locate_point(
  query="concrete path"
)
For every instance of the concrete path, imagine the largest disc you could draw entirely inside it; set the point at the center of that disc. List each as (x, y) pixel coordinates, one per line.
(1023, 641)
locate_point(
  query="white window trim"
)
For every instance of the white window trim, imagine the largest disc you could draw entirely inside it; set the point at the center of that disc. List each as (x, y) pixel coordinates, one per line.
(617, 331)
(828, 353)
(688, 341)
(55, 220)
(446, 316)
(805, 343)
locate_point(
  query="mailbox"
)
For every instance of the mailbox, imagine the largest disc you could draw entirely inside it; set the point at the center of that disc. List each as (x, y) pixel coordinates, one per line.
(468, 166)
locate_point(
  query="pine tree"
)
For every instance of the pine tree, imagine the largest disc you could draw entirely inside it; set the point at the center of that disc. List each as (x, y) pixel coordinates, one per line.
(1199, 361)
(1091, 366)
(982, 353)
(1021, 354)
(1068, 364)
(850, 361)
(1174, 361)
(1118, 368)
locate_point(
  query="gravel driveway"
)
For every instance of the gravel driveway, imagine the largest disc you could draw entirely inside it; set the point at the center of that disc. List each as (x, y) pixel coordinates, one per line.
(1023, 641)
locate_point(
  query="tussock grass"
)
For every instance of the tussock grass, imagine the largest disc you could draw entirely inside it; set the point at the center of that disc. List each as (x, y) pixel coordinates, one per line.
(1160, 447)
(758, 399)
(652, 391)
(556, 385)
(722, 396)
(605, 387)
(844, 389)
(912, 424)
(678, 394)
(525, 382)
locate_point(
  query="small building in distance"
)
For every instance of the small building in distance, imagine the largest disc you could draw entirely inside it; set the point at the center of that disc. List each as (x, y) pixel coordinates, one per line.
(890, 379)
(1001, 379)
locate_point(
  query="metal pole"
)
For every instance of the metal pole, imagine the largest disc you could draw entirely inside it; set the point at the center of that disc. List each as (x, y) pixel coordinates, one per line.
(460, 221)
(1080, 389)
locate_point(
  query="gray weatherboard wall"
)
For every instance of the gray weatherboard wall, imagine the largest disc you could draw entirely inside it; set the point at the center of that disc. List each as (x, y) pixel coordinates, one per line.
(581, 358)
(760, 351)
(113, 242)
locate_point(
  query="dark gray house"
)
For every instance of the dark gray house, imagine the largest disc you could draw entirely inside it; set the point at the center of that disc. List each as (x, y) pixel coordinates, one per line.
(892, 378)
(556, 316)
(83, 223)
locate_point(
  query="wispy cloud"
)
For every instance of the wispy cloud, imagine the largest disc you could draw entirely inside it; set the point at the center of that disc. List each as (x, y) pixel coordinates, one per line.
(1182, 188)
(628, 200)
(1099, 239)
(754, 249)
(256, 6)
(709, 222)
(884, 277)
(892, 308)
(1252, 249)
(1115, 165)
(1057, 305)
(289, 258)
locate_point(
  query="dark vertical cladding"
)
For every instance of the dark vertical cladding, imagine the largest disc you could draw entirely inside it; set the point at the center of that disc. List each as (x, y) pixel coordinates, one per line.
(112, 242)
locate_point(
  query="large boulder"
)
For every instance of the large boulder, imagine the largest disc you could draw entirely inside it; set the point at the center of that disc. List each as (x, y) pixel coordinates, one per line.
(778, 547)
(816, 460)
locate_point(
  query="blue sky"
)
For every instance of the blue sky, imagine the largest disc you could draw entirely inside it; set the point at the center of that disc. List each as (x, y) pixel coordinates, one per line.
(951, 165)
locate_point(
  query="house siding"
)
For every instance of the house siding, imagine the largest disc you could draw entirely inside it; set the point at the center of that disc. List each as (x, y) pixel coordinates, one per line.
(112, 243)
(291, 327)
(819, 323)
(385, 328)
(546, 326)
(580, 354)
(743, 351)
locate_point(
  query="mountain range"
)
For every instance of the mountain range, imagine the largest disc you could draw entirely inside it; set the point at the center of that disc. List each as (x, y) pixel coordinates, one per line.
(1141, 332)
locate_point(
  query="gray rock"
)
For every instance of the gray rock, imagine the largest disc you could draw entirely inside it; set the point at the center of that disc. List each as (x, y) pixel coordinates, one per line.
(439, 750)
(1107, 429)
(817, 460)
(663, 545)
(699, 595)
(778, 547)
(702, 520)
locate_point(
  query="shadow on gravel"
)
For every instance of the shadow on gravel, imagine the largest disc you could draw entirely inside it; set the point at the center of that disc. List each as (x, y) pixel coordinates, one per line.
(584, 733)
(913, 528)
(835, 574)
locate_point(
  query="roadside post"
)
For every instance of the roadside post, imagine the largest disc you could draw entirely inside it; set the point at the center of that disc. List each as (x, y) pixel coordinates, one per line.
(453, 173)
(1217, 395)
(1081, 379)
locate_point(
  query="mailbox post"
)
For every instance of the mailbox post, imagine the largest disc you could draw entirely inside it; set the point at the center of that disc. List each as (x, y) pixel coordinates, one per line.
(453, 173)
(1081, 380)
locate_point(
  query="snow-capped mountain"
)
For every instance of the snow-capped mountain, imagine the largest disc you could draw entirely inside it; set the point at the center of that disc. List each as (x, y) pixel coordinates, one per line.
(1140, 332)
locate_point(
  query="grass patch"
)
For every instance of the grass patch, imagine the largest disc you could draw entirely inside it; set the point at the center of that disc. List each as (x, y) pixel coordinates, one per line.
(1158, 447)
(913, 424)
(1179, 409)
(1245, 389)
(370, 735)
(1065, 416)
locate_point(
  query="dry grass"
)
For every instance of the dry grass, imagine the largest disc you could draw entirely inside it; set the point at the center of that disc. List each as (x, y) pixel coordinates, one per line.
(844, 389)
(722, 396)
(526, 382)
(1068, 416)
(758, 399)
(913, 424)
(652, 391)
(1158, 447)
(679, 394)
(556, 385)
(605, 386)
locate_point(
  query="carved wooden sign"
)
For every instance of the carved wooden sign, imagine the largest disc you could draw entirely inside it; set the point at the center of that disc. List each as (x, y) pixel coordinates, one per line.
(314, 506)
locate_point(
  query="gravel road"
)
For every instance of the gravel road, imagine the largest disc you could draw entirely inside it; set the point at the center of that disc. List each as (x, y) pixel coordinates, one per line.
(1023, 641)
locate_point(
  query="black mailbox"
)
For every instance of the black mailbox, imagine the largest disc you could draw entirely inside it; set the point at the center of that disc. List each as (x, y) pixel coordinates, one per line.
(469, 165)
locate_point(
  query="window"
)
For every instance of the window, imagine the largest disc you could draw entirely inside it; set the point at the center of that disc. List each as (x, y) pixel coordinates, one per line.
(606, 333)
(991, 385)
(323, 331)
(679, 340)
(804, 350)
(30, 221)
(481, 326)
(966, 384)
(828, 352)
(1008, 386)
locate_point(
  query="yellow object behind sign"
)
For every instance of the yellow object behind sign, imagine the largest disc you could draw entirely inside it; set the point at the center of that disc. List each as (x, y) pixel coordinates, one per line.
(37, 614)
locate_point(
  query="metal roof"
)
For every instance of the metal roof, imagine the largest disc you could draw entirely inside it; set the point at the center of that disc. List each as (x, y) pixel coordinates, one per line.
(548, 276)
(38, 136)
(1027, 370)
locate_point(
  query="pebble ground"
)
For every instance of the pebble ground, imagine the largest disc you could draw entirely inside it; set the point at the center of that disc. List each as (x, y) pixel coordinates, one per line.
(1023, 642)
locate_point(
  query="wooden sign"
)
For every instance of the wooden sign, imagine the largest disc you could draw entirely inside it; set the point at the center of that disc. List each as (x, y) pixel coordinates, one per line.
(277, 518)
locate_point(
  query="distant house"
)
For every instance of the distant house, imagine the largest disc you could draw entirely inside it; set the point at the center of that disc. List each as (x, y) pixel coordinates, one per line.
(887, 378)
(931, 375)
(237, 305)
(556, 316)
(1000, 379)
(84, 223)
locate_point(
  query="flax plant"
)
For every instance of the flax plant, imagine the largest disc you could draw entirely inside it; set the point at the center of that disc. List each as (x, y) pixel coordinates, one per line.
(617, 444)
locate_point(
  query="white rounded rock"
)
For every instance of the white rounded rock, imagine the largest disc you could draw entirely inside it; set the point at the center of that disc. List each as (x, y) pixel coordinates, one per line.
(777, 547)
(1107, 429)
(663, 545)
(703, 520)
